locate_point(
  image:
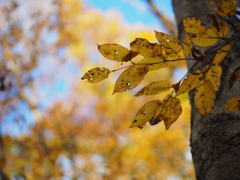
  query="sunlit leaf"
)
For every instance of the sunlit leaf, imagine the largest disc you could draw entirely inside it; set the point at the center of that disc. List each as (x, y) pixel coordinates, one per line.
(194, 25)
(221, 53)
(145, 113)
(225, 7)
(189, 83)
(154, 63)
(115, 52)
(171, 45)
(233, 104)
(130, 78)
(171, 110)
(205, 96)
(234, 76)
(145, 48)
(96, 75)
(214, 75)
(154, 88)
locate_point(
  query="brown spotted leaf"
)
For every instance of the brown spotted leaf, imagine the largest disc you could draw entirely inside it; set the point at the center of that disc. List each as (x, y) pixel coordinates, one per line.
(171, 110)
(189, 83)
(171, 46)
(221, 53)
(187, 45)
(234, 76)
(214, 75)
(154, 88)
(115, 52)
(96, 74)
(205, 96)
(146, 113)
(225, 7)
(233, 104)
(194, 25)
(145, 48)
(130, 78)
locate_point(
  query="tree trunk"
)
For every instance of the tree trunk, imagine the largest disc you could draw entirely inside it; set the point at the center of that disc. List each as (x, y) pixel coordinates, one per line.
(215, 139)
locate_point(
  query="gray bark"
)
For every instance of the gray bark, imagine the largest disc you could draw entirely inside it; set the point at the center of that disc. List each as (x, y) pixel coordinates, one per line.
(215, 139)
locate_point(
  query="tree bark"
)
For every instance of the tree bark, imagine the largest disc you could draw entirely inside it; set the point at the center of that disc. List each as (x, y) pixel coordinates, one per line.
(214, 139)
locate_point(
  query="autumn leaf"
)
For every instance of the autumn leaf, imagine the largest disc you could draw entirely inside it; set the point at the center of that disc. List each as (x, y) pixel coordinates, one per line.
(203, 39)
(205, 97)
(96, 74)
(187, 45)
(171, 46)
(189, 83)
(233, 104)
(154, 63)
(145, 48)
(225, 7)
(130, 78)
(115, 52)
(221, 53)
(194, 25)
(154, 88)
(214, 75)
(145, 113)
(234, 76)
(171, 110)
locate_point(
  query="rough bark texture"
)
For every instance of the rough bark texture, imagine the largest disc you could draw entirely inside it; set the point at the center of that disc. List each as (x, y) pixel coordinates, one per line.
(215, 139)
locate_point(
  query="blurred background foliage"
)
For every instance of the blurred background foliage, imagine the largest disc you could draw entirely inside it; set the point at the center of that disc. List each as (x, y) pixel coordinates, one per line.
(55, 126)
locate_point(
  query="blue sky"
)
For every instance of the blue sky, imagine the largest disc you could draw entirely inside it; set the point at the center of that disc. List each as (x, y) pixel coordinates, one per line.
(135, 11)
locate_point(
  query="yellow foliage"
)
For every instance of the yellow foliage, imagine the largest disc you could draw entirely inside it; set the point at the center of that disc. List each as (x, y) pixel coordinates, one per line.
(214, 75)
(225, 7)
(233, 104)
(96, 75)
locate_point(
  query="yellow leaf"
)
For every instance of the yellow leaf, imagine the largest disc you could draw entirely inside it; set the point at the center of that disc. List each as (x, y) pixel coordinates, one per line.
(214, 75)
(145, 48)
(115, 52)
(145, 113)
(218, 31)
(205, 97)
(154, 88)
(171, 45)
(130, 78)
(194, 25)
(187, 45)
(221, 53)
(225, 7)
(234, 76)
(233, 104)
(191, 82)
(154, 63)
(171, 110)
(96, 74)
(204, 39)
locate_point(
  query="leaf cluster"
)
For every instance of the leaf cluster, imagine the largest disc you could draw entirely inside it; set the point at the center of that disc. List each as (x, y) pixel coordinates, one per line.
(168, 49)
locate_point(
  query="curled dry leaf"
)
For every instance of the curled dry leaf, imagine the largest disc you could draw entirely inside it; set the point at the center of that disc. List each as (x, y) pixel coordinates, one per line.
(146, 113)
(145, 48)
(234, 76)
(233, 104)
(214, 75)
(130, 78)
(189, 83)
(115, 52)
(205, 97)
(221, 53)
(96, 74)
(154, 88)
(225, 7)
(171, 110)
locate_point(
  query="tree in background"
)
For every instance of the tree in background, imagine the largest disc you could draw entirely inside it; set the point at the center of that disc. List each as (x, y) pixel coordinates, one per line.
(84, 132)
